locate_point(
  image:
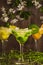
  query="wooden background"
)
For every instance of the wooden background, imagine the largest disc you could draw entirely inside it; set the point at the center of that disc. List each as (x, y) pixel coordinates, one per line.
(30, 44)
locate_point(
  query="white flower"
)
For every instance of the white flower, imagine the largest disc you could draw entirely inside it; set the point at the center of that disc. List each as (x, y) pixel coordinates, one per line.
(20, 7)
(11, 10)
(9, 1)
(35, 2)
(4, 15)
(39, 6)
(14, 20)
(23, 3)
(14, 11)
(3, 9)
(5, 19)
(18, 17)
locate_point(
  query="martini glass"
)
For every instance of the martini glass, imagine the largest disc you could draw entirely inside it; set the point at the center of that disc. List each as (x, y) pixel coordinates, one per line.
(38, 35)
(21, 36)
(4, 34)
(35, 33)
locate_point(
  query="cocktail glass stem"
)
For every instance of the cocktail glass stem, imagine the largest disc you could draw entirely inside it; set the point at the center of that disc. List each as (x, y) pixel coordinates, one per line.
(21, 53)
(3, 46)
(36, 45)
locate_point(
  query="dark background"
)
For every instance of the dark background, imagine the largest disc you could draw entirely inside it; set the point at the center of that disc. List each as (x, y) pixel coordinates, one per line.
(30, 44)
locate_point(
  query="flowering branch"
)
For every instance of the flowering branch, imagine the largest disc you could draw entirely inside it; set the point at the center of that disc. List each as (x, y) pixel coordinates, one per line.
(17, 10)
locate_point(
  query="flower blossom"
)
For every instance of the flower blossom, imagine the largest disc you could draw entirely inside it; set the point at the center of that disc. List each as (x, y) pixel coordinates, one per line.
(12, 10)
(18, 17)
(37, 4)
(3, 9)
(4, 15)
(4, 19)
(9, 1)
(14, 20)
(20, 7)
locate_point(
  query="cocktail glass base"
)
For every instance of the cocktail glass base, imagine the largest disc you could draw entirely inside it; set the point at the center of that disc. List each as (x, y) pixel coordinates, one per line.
(22, 63)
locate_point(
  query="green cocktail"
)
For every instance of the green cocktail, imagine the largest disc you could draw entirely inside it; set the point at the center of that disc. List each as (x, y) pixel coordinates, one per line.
(22, 36)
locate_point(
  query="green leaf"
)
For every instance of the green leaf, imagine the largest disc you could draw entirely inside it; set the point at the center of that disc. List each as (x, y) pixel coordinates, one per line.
(11, 15)
(7, 24)
(41, 9)
(15, 3)
(29, 3)
(34, 28)
(25, 14)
